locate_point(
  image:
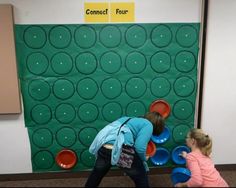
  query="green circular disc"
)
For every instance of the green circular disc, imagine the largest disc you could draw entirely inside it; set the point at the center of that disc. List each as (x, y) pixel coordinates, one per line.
(87, 135)
(135, 109)
(42, 138)
(87, 158)
(39, 89)
(41, 114)
(66, 136)
(111, 111)
(185, 61)
(135, 62)
(87, 88)
(37, 63)
(136, 36)
(184, 86)
(60, 36)
(160, 87)
(110, 36)
(86, 63)
(65, 113)
(61, 63)
(183, 109)
(136, 87)
(186, 36)
(43, 159)
(63, 89)
(160, 62)
(111, 88)
(88, 112)
(85, 36)
(35, 37)
(161, 36)
(110, 62)
(180, 132)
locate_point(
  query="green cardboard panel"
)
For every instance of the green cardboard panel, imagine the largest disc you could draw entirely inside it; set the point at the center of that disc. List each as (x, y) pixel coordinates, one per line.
(77, 78)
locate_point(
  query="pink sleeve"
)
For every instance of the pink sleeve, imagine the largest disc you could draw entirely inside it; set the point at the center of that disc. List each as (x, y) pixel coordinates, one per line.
(196, 177)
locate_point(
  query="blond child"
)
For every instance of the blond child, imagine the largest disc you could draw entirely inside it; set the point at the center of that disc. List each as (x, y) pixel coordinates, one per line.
(198, 161)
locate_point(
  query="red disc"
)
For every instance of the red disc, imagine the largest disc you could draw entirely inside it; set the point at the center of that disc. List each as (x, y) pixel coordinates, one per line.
(160, 106)
(151, 149)
(66, 158)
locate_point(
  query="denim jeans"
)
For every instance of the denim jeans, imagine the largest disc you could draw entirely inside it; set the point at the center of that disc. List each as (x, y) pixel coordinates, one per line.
(102, 165)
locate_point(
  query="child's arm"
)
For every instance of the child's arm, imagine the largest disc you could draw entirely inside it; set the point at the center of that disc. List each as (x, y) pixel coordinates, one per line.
(142, 140)
(181, 184)
(196, 176)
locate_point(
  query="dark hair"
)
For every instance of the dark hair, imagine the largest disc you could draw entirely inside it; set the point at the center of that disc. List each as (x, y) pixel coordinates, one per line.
(157, 121)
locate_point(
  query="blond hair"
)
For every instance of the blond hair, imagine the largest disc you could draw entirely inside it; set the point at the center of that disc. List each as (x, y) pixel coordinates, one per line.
(204, 142)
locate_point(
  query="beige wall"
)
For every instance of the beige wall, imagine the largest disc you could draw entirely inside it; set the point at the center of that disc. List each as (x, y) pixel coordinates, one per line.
(219, 96)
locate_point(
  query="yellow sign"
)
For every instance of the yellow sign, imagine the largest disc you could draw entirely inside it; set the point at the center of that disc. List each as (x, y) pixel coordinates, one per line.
(122, 12)
(96, 12)
(109, 12)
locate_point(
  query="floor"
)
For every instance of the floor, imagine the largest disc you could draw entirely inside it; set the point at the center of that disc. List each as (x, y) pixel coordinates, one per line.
(161, 180)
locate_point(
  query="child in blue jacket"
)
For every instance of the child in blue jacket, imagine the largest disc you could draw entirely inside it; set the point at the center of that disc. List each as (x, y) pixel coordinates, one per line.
(107, 145)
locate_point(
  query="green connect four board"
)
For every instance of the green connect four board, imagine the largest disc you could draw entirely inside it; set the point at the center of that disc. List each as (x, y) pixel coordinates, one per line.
(77, 78)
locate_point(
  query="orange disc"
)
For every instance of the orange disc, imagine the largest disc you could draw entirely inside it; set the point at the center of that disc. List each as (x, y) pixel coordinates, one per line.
(151, 149)
(161, 107)
(66, 158)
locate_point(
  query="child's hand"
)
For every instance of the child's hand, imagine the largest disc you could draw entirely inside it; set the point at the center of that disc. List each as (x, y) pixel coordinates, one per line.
(184, 154)
(180, 185)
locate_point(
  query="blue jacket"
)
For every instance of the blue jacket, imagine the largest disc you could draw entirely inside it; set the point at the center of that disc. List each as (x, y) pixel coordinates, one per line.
(137, 132)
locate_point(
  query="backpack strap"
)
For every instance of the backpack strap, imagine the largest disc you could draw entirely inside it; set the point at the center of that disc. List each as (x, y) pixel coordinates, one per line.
(123, 125)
